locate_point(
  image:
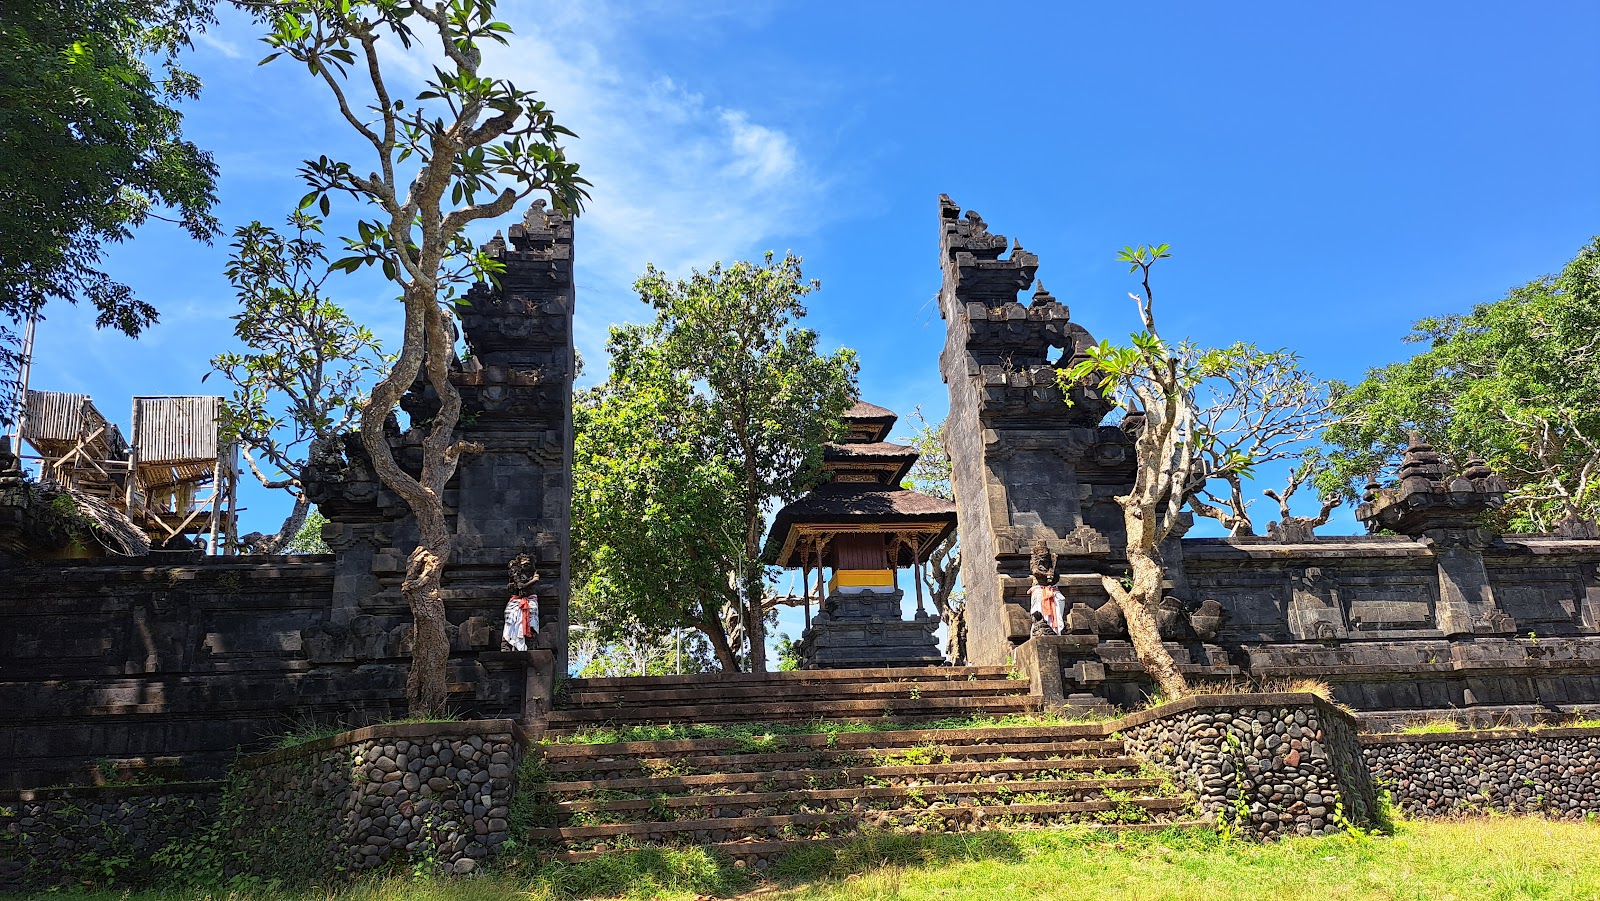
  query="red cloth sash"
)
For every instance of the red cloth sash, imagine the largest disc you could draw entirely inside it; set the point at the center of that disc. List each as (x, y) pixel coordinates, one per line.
(527, 621)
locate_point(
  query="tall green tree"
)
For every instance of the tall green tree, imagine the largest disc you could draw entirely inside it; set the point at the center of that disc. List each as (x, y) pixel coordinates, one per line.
(463, 150)
(1516, 380)
(744, 401)
(303, 374)
(92, 146)
(654, 537)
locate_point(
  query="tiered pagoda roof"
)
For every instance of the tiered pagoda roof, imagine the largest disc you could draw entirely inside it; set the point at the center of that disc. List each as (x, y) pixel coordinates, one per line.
(862, 493)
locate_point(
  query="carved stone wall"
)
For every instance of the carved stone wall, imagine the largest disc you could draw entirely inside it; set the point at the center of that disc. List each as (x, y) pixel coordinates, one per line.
(170, 670)
(513, 493)
(172, 665)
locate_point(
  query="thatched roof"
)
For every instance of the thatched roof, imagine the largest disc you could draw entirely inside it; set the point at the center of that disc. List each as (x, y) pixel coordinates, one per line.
(871, 419)
(856, 503)
(110, 527)
(898, 458)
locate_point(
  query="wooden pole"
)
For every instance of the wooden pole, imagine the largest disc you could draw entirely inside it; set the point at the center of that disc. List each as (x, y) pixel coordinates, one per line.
(133, 460)
(805, 587)
(23, 376)
(218, 492)
(916, 576)
(231, 524)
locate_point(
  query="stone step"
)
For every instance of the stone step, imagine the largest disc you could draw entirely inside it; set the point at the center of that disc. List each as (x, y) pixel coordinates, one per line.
(720, 805)
(757, 854)
(888, 738)
(720, 829)
(710, 694)
(618, 767)
(873, 674)
(840, 777)
(777, 711)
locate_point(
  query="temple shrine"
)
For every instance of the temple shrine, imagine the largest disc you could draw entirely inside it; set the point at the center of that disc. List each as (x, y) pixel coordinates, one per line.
(861, 526)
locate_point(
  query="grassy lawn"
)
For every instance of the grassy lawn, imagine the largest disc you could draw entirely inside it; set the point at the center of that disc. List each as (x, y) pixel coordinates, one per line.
(1490, 858)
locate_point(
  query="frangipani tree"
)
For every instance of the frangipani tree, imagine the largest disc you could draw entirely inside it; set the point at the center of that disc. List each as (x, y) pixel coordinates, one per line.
(303, 375)
(460, 149)
(1195, 415)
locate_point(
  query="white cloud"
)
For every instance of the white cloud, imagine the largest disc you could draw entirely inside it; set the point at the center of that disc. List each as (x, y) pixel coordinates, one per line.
(224, 47)
(678, 181)
(762, 153)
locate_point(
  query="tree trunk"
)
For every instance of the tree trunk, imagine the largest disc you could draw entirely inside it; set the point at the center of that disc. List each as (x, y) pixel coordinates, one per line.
(710, 625)
(426, 691)
(1139, 604)
(755, 627)
(726, 658)
(427, 347)
(291, 526)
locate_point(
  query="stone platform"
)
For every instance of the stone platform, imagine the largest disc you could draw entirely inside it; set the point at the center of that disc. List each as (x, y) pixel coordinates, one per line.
(867, 629)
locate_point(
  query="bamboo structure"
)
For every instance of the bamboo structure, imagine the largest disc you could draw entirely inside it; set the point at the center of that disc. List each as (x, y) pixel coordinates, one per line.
(176, 478)
(77, 446)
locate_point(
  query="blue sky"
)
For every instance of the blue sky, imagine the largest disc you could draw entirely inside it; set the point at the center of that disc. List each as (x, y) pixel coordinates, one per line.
(1326, 175)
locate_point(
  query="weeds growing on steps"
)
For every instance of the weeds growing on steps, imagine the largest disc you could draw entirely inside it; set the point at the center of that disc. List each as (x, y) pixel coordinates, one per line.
(760, 737)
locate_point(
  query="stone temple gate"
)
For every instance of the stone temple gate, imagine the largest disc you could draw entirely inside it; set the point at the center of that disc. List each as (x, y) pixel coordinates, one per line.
(1440, 614)
(170, 664)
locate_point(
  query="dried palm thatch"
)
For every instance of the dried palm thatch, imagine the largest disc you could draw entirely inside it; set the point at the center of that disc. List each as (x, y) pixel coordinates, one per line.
(108, 526)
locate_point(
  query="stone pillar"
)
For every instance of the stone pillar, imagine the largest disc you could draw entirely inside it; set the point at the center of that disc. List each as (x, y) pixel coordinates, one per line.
(1446, 514)
(1026, 464)
(516, 495)
(512, 493)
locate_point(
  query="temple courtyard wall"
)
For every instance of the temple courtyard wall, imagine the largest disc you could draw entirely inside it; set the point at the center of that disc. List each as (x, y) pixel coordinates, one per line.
(172, 671)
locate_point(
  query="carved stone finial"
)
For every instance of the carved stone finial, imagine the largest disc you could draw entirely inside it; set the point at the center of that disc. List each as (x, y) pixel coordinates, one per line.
(1574, 526)
(538, 216)
(1372, 489)
(1428, 497)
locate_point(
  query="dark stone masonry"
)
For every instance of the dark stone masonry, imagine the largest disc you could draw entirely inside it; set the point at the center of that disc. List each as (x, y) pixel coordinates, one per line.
(1270, 765)
(174, 664)
(433, 795)
(1554, 772)
(438, 793)
(60, 837)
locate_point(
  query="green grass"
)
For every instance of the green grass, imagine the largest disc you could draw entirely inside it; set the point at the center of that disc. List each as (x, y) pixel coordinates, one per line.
(764, 736)
(1430, 727)
(1456, 860)
(301, 731)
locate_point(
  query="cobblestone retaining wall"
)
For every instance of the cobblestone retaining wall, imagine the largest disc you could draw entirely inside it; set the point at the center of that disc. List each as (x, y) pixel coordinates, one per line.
(1275, 764)
(1550, 771)
(72, 837)
(438, 794)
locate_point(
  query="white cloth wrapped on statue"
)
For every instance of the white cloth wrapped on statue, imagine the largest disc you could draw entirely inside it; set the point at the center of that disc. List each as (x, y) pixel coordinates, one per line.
(1047, 602)
(522, 621)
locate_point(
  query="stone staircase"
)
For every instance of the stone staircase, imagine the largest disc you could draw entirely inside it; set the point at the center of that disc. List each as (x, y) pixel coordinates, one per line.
(754, 796)
(901, 694)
